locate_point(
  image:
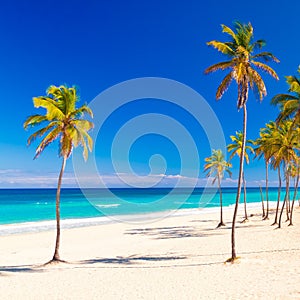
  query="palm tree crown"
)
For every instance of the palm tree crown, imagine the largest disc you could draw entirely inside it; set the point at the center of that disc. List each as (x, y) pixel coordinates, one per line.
(236, 147)
(64, 121)
(242, 63)
(263, 143)
(216, 165)
(289, 104)
(285, 144)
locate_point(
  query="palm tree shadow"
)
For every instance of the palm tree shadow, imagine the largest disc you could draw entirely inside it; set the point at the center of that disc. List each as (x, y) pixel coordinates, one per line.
(174, 232)
(130, 260)
(21, 269)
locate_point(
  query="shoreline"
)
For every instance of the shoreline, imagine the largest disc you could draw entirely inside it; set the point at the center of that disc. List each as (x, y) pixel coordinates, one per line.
(138, 218)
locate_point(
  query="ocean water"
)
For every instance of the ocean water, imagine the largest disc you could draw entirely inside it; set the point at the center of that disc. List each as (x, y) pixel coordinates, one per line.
(34, 209)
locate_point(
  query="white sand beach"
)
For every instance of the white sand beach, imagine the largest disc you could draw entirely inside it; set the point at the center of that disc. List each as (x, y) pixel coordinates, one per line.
(175, 258)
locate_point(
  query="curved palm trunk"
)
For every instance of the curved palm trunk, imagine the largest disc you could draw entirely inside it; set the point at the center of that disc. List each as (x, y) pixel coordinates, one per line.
(278, 198)
(285, 198)
(288, 204)
(262, 201)
(267, 190)
(221, 204)
(56, 256)
(294, 198)
(238, 195)
(245, 199)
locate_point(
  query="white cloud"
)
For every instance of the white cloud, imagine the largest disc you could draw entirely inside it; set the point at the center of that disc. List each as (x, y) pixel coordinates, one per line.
(10, 178)
(14, 178)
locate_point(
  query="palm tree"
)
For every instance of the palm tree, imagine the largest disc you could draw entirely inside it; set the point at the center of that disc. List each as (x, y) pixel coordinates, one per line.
(64, 123)
(236, 149)
(242, 64)
(289, 104)
(264, 149)
(216, 166)
(285, 142)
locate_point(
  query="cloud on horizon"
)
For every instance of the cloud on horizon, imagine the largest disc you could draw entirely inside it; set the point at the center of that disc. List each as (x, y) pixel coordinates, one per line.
(14, 178)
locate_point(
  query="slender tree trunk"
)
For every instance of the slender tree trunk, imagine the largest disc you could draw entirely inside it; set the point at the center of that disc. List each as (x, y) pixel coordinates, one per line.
(262, 201)
(267, 190)
(288, 204)
(245, 199)
(56, 256)
(285, 198)
(294, 198)
(238, 195)
(278, 198)
(221, 204)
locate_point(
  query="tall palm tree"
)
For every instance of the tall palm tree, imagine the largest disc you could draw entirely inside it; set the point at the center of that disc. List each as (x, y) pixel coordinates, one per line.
(289, 104)
(263, 149)
(216, 166)
(63, 122)
(236, 149)
(242, 64)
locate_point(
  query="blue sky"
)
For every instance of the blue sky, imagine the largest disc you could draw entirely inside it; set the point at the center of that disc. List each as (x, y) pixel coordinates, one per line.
(97, 44)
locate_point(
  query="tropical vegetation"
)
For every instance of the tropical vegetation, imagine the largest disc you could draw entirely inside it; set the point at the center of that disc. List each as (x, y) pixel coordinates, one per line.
(216, 166)
(65, 123)
(289, 104)
(243, 64)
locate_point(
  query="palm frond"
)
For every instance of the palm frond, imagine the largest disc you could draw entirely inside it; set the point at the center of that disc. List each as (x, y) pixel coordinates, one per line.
(265, 68)
(222, 47)
(82, 124)
(80, 111)
(229, 31)
(34, 120)
(294, 84)
(41, 132)
(258, 81)
(52, 107)
(47, 140)
(282, 98)
(224, 85)
(266, 56)
(259, 44)
(219, 66)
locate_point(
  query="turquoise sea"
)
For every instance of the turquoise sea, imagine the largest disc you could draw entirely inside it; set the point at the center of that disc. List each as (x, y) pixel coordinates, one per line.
(34, 209)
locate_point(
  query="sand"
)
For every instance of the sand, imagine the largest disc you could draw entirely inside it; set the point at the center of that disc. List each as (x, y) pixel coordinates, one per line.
(179, 257)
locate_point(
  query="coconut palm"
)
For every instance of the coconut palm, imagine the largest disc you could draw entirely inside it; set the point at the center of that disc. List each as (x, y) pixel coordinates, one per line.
(242, 64)
(63, 122)
(289, 104)
(285, 144)
(216, 166)
(236, 149)
(264, 149)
